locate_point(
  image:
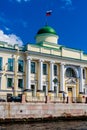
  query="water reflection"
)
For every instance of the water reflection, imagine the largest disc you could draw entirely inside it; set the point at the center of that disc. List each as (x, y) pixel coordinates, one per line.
(67, 125)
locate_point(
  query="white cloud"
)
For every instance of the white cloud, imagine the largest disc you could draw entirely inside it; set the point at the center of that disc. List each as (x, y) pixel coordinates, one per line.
(10, 38)
(6, 28)
(67, 4)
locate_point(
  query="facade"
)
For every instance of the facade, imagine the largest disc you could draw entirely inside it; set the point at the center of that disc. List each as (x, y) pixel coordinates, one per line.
(43, 69)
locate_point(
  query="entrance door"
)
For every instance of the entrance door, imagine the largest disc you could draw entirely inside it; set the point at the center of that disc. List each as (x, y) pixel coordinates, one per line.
(33, 90)
(55, 91)
(70, 94)
(44, 90)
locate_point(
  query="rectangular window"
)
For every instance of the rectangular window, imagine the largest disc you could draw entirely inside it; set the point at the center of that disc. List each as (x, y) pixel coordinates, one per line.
(20, 83)
(0, 63)
(20, 65)
(9, 82)
(10, 64)
(33, 67)
(44, 69)
(55, 70)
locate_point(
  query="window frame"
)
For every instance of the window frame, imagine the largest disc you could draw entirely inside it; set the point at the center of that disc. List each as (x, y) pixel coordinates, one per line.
(11, 83)
(71, 73)
(44, 72)
(84, 73)
(55, 72)
(10, 64)
(22, 83)
(33, 72)
(20, 65)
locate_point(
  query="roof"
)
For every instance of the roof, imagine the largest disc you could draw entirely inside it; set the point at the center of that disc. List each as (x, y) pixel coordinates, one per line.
(46, 29)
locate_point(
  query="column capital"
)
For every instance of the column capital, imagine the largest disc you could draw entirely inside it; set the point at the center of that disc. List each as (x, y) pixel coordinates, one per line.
(41, 60)
(81, 66)
(52, 62)
(29, 58)
(62, 63)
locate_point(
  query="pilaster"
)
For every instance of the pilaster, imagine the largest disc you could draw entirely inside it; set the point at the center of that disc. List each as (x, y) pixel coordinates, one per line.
(40, 92)
(40, 75)
(15, 77)
(51, 76)
(28, 74)
(81, 79)
(62, 80)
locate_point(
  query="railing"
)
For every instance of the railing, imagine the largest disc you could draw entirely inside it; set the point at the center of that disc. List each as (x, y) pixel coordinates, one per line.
(54, 99)
(35, 99)
(46, 99)
(3, 98)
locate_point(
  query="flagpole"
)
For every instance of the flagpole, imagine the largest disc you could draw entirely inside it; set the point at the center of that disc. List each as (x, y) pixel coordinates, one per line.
(48, 13)
(46, 22)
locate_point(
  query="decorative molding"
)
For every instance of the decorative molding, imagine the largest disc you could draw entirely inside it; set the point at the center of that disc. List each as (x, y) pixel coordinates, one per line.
(71, 81)
(29, 58)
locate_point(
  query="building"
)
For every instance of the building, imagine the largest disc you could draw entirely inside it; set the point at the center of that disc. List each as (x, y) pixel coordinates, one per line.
(43, 69)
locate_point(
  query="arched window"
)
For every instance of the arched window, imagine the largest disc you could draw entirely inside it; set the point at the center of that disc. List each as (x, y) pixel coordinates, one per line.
(70, 73)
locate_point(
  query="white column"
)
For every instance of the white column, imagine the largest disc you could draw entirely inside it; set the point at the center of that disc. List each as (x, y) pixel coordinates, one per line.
(28, 73)
(40, 78)
(51, 76)
(62, 80)
(81, 79)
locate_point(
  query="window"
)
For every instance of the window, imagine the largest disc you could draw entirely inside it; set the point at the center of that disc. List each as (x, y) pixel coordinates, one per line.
(84, 74)
(70, 73)
(20, 83)
(70, 89)
(55, 70)
(20, 65)
(44, 69)
(0, 63)
(33, 67)
(10, 64)
(9, 82)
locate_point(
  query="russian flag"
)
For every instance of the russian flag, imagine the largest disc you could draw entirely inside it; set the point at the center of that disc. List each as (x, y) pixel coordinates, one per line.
(48, 13)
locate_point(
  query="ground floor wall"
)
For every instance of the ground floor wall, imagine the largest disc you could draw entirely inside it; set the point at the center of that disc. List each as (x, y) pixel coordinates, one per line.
(41, 110)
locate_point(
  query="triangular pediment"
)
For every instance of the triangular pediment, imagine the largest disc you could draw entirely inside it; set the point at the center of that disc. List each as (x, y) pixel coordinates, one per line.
(71, 81)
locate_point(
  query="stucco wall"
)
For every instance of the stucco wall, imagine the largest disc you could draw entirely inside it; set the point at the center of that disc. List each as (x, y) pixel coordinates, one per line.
(41, 110)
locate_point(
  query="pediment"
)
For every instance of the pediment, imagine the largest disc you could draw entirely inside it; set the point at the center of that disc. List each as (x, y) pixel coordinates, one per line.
(71, 81)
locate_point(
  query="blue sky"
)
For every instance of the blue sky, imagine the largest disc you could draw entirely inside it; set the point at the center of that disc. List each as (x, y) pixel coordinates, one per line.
(21, 19)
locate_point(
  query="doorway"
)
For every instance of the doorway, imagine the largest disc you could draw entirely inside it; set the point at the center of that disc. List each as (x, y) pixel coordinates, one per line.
(33, 90)
(45, 90)
(70, 94)
(55, 91)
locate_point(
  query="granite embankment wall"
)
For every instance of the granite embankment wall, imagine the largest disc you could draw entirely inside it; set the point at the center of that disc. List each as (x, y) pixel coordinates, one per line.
(41, 110)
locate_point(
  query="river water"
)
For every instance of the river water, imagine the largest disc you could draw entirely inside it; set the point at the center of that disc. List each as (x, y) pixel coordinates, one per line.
(60, 125)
